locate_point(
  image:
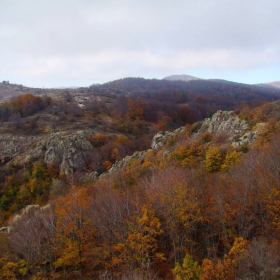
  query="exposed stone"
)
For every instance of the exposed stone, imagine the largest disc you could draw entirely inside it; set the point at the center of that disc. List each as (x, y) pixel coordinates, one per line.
(166, 153)
(160, 139)
(119, 164)
(15, 218)
(45, 207)
(237, 130)
(14, 146)
(67, 151)
(5, 229)
(225, 122)
(179, 130)
(25, 211)
(64, 148)
(249, 137)
(29, 208)
(91, 176)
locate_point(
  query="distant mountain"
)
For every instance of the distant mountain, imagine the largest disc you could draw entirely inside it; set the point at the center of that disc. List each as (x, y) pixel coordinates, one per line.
(140, 87)
(70, 87)
(270, 85)
(182, 77)
(8, 90)
(223, 81)
(276, 84)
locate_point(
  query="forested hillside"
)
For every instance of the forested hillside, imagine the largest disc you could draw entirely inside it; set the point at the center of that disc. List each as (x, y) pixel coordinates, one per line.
(196, 98)
(91, 189)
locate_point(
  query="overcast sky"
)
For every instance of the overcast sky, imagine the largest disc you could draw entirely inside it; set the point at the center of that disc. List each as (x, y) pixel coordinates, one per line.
(58, 43)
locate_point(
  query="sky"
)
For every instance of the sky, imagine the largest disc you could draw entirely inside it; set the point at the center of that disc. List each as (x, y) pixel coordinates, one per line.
(60, 43)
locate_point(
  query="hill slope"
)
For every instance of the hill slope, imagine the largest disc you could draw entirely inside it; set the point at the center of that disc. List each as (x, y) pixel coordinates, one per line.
(203, 199)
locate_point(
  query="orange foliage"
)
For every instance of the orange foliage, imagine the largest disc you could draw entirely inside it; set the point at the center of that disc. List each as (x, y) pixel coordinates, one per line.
(53, 170)
(226, 269)
(27, 104)
(107, 165)
(135, 110)
(98, 139)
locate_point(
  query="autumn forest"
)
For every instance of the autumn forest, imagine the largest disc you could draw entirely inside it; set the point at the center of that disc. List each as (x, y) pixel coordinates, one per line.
(202, 204)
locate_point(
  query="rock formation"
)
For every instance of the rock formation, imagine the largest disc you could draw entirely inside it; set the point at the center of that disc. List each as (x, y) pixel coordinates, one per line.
(12, 146)
(224, 122)
(119, 164)
(67, 151)
(160, 139)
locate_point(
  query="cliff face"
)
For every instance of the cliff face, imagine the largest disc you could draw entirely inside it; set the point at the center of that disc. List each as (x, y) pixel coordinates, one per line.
(67, 151)
(19, 148)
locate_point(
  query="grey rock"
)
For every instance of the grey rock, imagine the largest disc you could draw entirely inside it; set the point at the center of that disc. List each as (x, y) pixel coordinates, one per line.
(67, 151)
(224, 122)
(249, 137)
(122, 163)
(5, 229)
(28, 208)
(179, 130)
(15, 146)
(26, 212)
(91, 175)
(160, 139)
(166, 154)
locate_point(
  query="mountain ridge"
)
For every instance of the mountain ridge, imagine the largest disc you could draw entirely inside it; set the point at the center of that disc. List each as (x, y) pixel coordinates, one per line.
(181, 77)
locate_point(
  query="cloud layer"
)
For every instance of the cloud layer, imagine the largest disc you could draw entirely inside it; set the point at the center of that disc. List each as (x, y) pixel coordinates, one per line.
(59, 43)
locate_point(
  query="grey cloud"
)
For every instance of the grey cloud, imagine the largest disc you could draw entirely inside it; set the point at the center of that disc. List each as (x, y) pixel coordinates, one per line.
(186, 33)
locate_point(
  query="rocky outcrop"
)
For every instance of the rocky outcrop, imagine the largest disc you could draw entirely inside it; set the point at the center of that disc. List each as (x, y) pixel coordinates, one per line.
(237, 130)
(249, 137)
(120, 164)
(14, 146)
(67, 151)
(225, 122)
(160, 139)
(91, 176)
(26, 213)
(5, 229)
(62, 148)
